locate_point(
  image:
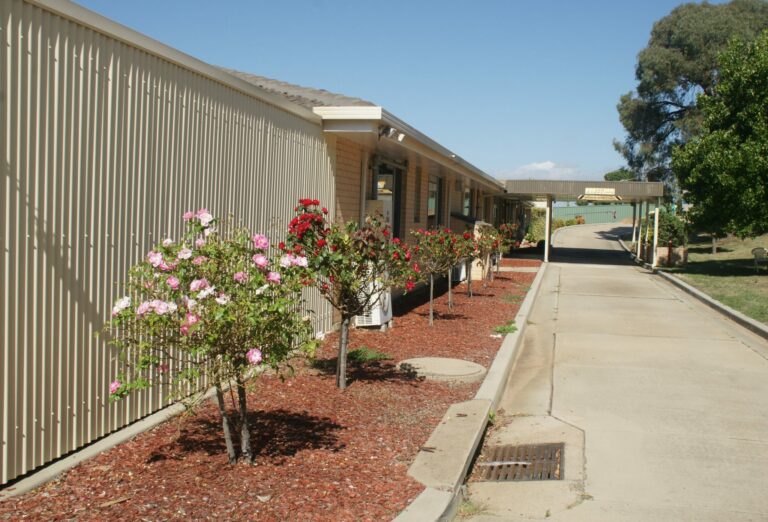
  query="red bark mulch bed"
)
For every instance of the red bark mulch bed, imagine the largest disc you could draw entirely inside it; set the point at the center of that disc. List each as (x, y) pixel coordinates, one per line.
(322, 454)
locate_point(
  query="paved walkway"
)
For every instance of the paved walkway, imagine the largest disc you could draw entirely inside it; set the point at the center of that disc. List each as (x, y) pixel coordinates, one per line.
(662, 403)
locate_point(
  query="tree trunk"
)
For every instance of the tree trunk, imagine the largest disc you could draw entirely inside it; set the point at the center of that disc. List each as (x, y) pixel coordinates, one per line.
(714, 244)
(469, 278)
(431, 294)
(341, 363)
(486, 270)
(225, 425)
(450, 290)
(490, 266)
(245, 430)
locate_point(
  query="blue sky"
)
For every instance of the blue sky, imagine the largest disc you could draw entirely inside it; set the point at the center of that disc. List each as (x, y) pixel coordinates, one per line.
(518, 88)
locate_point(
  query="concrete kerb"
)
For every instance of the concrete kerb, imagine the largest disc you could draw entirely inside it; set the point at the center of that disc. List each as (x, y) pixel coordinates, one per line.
(445, 458)
(734, 315)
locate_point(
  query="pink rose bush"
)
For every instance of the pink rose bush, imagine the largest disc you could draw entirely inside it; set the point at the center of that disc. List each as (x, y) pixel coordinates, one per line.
(196, 307)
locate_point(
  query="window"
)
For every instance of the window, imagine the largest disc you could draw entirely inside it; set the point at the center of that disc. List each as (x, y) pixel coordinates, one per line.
(386, 190)
(434, 201)
(467, 208)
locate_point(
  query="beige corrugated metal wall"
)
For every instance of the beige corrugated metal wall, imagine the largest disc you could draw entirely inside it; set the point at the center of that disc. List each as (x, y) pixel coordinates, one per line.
(104, 146)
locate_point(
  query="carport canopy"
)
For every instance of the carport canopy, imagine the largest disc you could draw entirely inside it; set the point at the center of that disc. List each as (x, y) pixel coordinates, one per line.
(634, 192)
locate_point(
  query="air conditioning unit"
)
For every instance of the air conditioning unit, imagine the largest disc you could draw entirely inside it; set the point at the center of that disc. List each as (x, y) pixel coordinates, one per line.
(380, 313)
(459, 272)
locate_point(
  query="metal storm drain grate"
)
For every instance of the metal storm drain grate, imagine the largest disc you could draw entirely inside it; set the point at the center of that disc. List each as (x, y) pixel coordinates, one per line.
(518, 463)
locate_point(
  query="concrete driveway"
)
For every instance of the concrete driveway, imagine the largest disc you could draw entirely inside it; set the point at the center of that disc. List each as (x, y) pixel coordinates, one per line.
(662, 402)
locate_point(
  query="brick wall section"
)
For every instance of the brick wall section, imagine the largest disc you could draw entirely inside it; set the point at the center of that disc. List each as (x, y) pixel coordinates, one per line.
(349, 161)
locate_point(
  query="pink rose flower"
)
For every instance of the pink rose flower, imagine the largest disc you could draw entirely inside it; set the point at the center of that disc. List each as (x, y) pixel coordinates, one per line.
(155, 258)
(165, 267)
(184, 329)
(143, 308)
(199, 242)
(173, 282)
(188, 215)
(184, 253)
(273, 277)
(299, 261)
(260, 260)
(204, 216)
(286, 260)
(240, 277)
(199, 260)
(223, 299)
(192, 319)
(167, 242)
(198, 284)
(254, 356)
(114, 386)
(260, 242)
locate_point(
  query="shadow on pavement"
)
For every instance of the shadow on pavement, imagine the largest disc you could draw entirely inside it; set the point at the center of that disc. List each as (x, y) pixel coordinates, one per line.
(595, 256)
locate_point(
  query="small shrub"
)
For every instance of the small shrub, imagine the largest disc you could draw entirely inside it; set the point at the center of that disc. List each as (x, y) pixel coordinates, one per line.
(506, 328)
(365, 354)
(535, 231)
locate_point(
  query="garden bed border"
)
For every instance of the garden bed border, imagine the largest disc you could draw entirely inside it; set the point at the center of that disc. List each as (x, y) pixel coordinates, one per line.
(444, 460)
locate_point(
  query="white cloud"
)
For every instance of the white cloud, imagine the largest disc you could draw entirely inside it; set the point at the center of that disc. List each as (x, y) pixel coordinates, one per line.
(545, 170)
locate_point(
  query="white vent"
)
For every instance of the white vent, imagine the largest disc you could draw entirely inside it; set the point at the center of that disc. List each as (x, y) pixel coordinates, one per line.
(380, 313)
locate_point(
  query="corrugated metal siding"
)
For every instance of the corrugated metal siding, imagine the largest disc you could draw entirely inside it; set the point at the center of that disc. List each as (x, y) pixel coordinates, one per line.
(104, 146)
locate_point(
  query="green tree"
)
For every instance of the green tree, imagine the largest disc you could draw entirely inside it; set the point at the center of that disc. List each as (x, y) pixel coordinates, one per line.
(725, 170)
(436, 254)
(679, 63)
(622, 174)
(353, 263)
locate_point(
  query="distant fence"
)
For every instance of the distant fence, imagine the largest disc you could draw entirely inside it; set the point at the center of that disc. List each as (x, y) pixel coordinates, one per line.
(596, 213)
(108, 137)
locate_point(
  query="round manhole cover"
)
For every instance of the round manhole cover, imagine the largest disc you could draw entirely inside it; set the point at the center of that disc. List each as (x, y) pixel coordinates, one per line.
(444, 369)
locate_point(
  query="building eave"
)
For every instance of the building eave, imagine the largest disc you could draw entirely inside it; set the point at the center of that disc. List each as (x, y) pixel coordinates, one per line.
(350, 120)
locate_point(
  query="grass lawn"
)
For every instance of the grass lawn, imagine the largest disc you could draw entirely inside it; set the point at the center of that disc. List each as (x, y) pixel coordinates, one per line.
(729, 276)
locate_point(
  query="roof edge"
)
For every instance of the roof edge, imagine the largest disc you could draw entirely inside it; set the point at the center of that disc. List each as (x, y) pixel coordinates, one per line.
(425, 140)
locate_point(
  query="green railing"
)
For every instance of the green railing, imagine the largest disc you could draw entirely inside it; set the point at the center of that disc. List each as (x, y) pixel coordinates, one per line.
(596, 213)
